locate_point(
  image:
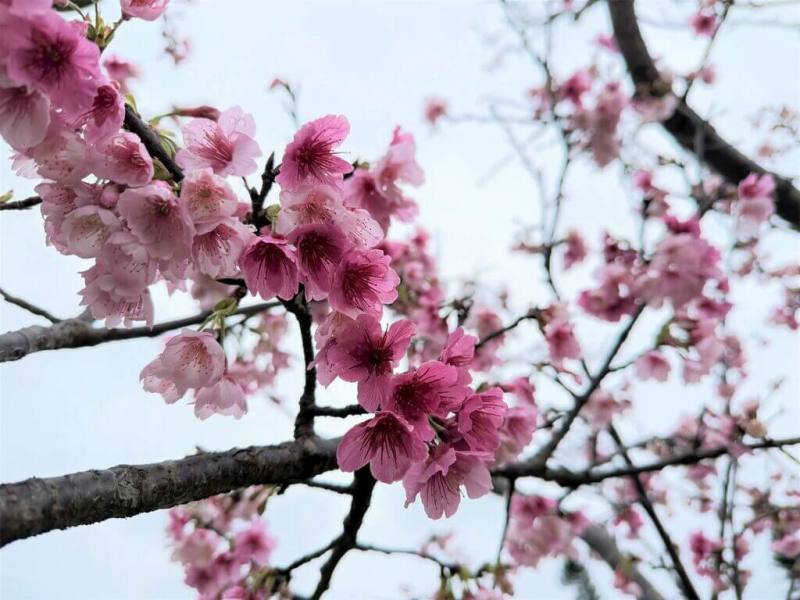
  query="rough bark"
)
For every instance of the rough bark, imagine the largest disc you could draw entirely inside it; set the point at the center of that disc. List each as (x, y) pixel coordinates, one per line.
(78, 333)
(690, 130)
(38, 505)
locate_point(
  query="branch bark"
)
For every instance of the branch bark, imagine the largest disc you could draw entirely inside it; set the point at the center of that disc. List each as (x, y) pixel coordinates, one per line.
(151, 141)
(688, 128)
(21, 204)
(78, 333)
(36, 505)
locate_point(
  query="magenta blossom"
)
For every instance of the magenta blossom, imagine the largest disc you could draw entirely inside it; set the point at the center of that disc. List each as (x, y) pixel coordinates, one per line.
(123, 158)
(459, 352)
(653, 365)
(439, 479)
(516, 432)
(149, 10)
(192, 359)
(480, 418)
(365, 354)
(430, 390)
(561, 341)
(51, 55)
(399, 165)
(226, 145)
(106, 114)
(387, 442)
(86, 229)
(756, 204)
(319, 248)
(310, 159)
(363, 282)
(268, 265)
(704, 23)
(158, 219)
(254, 543)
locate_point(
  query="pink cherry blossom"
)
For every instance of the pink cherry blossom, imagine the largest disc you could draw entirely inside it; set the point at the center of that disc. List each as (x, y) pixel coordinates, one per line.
(438, 481)
(190, 360)
(573, 88)
(217, 248)
(254, 543)
(120, 71)
(127, 263)
(365, 354)
(107, 303)
(106, 114)
(576, 250)
(310, 158)
(361, 191)
(431, 389)
(224, 397)
(124, 159)
(319, 248)
(480, 418)
(614, 298)
(324, 205)
(226, 145)
(24, 114)
(755, 204)
(653, 365)
(435, 109)
(269, 267)
(516, 432)
(363, 282)
(149, 10)
(704, 23)
(86, 229)
(63, 155)
(158, 219)
(51, 55)
(399, 165)
(459, 352)
(208, 197)
(387, 442)
(561, 341)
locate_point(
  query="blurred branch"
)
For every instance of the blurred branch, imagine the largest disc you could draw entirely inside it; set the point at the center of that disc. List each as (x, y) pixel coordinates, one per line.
(79, 333)
(685, 125)
(25, 305)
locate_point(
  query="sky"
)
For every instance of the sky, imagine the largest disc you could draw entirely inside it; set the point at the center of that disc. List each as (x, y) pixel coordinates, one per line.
(375, 62)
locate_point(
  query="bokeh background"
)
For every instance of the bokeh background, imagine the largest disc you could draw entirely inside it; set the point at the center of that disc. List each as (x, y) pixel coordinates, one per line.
(375, 62)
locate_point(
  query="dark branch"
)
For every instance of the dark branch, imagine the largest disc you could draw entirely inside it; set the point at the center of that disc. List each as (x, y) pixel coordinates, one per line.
(684, 580)
(31, 308)
(304, 423)
(78, 333)
(21, 204)
(685, 125)
(363, 484)
(37, 505)
(345, 411)
(151, 141)
(531, 314)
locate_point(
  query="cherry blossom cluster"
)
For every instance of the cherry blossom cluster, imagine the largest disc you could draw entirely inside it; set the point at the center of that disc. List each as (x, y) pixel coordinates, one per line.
(224, 545)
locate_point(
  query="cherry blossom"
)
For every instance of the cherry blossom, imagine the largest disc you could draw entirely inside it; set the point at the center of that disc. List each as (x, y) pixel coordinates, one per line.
(310, 158)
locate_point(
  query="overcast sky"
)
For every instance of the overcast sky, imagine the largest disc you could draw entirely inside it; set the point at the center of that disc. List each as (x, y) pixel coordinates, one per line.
(375, 62)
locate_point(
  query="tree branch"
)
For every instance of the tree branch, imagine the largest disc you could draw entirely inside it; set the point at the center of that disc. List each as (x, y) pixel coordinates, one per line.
(78, 333)
(684, 580)
(363, 484)
(21, 204)
(685, 125)
(25, 305)
(151, 141)
(36, 505)
(304, 423)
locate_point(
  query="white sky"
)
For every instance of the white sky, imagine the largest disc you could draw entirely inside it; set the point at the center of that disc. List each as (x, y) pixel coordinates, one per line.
(375, 62)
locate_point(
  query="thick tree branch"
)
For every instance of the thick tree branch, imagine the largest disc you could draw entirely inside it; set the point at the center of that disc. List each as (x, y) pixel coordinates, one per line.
(78, 333)
(691, 131)
(151, 141)
(363, 484)
(37, 505)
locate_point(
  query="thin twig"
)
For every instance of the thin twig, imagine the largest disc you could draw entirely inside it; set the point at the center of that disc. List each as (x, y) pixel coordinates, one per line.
(21, 204)
(31, 308)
